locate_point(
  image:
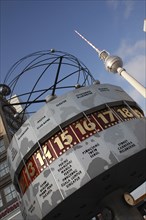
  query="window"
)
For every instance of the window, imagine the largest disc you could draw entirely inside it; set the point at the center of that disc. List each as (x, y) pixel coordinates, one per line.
(4, 169)
(1, 202)
(10, 192)
(2, 146)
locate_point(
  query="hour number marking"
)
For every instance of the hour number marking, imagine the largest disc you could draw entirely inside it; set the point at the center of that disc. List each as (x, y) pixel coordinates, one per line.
(138, 113)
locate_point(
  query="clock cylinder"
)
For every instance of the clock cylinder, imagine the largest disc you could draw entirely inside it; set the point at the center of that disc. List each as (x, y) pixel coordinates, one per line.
(75, 150)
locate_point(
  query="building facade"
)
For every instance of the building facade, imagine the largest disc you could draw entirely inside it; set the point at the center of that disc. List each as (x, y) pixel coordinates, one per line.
(9, 205)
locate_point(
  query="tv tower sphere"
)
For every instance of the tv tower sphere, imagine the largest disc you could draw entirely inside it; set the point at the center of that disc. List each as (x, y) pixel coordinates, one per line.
(112, 63)
(82, 148)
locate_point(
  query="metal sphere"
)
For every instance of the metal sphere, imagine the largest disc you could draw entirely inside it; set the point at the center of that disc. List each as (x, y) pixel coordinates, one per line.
(96, 82)
(77, 86)
(4, 90)
(112, 63)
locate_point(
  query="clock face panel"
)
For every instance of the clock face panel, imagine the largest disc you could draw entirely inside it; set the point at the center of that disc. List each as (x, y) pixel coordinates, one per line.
(72, 135)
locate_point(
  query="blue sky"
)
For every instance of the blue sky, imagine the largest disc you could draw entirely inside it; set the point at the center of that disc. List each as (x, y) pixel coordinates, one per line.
(117, 26)
(31, 25)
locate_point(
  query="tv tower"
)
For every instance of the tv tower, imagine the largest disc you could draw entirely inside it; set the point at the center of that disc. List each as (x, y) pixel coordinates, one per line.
(114, 64)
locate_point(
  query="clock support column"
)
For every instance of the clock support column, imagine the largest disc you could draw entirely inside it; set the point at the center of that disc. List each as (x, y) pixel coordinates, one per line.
(114, 207)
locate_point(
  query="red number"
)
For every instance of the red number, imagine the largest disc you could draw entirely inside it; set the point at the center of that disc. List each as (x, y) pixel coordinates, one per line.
(31, 169)
(106, 118)
(62, 141)
(124, 112)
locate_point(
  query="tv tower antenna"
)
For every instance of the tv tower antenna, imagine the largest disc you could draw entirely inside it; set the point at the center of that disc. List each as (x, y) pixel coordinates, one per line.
(114, 64)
